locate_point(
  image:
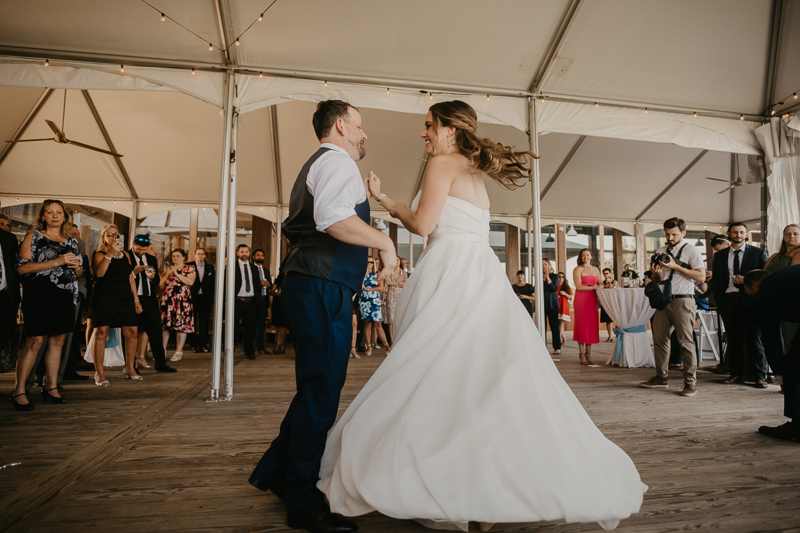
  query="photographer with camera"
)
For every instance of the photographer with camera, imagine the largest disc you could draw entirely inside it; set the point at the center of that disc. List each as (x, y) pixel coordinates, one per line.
(727, 285)
(676, 268)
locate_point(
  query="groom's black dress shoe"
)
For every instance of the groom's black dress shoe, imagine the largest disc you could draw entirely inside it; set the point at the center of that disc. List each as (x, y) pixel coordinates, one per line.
(260, 484)
(321, 521)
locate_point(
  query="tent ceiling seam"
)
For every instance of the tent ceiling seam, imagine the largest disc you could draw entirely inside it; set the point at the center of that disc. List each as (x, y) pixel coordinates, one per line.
(779, 8)
(672, 184)
(555, 43)
(561, 168)
(109, 142)
(25, 123)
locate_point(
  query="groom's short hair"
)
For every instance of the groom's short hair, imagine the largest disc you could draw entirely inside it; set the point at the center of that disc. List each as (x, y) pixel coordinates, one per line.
(326, 114)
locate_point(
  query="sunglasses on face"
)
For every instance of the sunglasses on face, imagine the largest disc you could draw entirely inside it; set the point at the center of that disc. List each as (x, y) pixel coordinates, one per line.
(370, 262)
(111, 234)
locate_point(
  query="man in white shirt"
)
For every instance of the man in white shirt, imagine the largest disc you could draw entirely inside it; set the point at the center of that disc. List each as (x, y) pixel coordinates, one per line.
(329, 235)
(245, 308)
(682, 271)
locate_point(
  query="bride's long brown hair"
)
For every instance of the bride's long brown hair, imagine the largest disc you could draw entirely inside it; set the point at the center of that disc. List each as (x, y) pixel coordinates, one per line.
(504, 164)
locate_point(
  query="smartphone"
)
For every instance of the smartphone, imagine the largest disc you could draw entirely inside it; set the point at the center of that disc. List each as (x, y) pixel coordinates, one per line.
(150, 270)
(166, 264)
(120, 238)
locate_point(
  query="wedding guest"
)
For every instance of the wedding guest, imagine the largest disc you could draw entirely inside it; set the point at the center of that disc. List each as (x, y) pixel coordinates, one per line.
(404, 264)
(5, 223)
(564, 298)
(176, 302)
(524, 292)
(263, 283)
(278, 318)
(550, 282)
(115, 302)
(608, 283)
(370, 306)
(789, 252)
(48, 263)
(202, 299)
(9, 299)
(244, 304)
(587, 281)
(730, 267)
(149, 320)
(395, 283)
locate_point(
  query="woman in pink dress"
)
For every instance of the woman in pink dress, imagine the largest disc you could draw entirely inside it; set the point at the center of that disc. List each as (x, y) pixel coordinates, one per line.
(587, 281)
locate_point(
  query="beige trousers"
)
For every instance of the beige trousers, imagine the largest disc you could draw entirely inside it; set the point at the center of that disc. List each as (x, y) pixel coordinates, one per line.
(679, 315)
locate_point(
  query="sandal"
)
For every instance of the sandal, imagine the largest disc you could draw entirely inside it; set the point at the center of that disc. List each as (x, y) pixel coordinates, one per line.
(589, 358)
(387, 347)
(103, 383)
(583, 358)
(354, 353)
(368, 350)
(176, 356)
(142, 362)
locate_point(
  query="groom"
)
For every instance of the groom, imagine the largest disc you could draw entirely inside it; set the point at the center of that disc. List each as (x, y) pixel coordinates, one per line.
(329, 236)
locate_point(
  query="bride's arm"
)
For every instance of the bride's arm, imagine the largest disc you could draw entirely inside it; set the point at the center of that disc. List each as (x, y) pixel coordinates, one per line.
(438, 178)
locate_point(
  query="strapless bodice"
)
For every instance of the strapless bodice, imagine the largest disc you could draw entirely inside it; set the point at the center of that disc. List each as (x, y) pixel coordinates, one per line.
(459, 221)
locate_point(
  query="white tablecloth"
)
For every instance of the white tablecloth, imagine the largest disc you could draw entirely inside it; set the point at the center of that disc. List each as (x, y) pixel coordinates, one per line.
(629, 308)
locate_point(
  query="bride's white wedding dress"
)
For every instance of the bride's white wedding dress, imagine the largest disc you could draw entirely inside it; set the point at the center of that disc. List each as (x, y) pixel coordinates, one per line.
(468, 418)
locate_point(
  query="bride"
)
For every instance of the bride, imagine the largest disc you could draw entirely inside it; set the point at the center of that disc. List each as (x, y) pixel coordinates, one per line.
(468, 418)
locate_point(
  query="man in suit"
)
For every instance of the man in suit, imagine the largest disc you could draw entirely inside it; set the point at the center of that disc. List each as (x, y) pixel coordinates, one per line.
(202, 299)
(775, 298)
(145, 267)
(727, 285)
(245, 308)
(263, 283)
(9, 299)
(550, 283)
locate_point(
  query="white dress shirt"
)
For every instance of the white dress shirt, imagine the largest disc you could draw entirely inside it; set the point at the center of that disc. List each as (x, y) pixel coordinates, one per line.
(690, 255)
(731, 257)
(334, 181)
(201, 270)
(142, 277)
(261, 275)
(242, 292)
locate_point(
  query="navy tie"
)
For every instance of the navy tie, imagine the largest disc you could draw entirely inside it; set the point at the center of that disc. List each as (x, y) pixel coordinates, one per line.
(736, 263)
(247, 278)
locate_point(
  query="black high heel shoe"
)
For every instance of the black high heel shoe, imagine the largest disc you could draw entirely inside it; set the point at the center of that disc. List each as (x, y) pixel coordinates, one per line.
(55, 399)
(22, 406)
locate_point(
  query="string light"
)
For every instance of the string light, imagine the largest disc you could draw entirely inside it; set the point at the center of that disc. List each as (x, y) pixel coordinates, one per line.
(387, 90)
(210, 47)
(541, 98)
(741, 117)
(430, 96)
(695, 114)
(192, 72)
(487, 97)
(645, 112)
(260, 74)
(326, 83)
(773, 112)
(47, 62)
(595, 104)
(237, 42)
(261, 17)
(163, 17)
(794, 96)
(122, 68)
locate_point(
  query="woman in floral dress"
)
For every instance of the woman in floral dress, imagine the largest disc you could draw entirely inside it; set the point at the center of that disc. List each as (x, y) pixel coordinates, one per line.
(397, 279)
(176, 301)
(370, 307)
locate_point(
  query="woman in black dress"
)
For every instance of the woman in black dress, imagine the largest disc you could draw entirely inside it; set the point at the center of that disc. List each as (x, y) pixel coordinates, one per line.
(49, 264)
(277, 317)
(115, 303)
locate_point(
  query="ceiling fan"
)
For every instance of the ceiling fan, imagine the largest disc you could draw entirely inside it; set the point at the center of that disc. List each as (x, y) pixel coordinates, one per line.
(61, 137)
(738, 182)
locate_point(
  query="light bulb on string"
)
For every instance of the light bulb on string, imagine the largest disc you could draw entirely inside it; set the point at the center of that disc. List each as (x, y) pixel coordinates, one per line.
(47, 62)
(261, 17)
(163, 17)
(260, 75)
(487, 97)
(695, 114)
(741, 117)
(794, 96)
(326, 83)
(237, 42)
(387, 90)
(122, 68)
(192, 72)
(210, 47)
(595, 104)
(645, 110)
(430, 96)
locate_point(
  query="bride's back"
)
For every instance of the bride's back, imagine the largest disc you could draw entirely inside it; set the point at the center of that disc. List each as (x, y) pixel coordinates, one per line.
(467, 183)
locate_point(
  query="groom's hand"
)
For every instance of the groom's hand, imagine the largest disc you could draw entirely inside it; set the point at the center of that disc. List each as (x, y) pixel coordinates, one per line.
(388, 260)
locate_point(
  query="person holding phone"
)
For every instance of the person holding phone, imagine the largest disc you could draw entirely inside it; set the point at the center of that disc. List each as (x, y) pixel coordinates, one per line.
(177, 311)
(115, 302)
(48, 263)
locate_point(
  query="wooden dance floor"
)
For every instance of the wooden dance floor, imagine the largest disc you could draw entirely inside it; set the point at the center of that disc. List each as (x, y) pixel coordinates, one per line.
(153, 456)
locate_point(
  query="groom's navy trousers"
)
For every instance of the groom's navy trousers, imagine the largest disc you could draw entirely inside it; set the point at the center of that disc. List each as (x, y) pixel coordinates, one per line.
(319, 314)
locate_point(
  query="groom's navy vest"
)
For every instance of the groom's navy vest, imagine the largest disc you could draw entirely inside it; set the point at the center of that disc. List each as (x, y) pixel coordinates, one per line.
(315, 253)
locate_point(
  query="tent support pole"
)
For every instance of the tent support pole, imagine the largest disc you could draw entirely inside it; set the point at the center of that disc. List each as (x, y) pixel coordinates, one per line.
(230, 273)
(4, 150)
(530, 250)
(536, 215)
(219, 286)
(134, 225)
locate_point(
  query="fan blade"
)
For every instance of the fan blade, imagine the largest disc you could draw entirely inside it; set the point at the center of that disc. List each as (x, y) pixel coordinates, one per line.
(726, 189)
(94, 148)
(717, 179)
(55, 129)
(30, 140)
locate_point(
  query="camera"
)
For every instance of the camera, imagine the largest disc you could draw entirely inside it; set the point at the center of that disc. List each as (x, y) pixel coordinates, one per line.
(662, 258)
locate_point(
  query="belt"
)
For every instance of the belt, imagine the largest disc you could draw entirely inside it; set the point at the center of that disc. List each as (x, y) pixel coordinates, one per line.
(244, 298)
(683, 296)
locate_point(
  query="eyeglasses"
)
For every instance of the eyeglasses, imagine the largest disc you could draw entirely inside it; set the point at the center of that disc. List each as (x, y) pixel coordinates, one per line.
(111, 234)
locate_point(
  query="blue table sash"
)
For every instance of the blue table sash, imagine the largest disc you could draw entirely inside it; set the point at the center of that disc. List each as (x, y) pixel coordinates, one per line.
(620, 332)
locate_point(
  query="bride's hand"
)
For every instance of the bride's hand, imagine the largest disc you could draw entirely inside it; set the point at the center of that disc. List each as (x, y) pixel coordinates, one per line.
(396, 208)
(374, 183)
